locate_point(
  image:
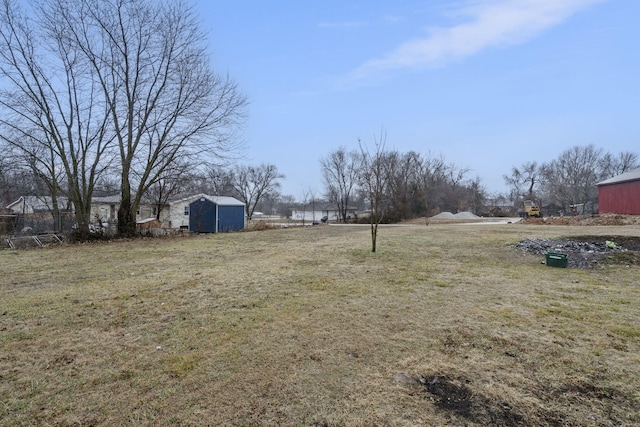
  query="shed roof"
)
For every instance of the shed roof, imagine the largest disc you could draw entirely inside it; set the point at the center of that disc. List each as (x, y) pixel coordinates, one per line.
(218, 200)
(225, 201)
(632, 175)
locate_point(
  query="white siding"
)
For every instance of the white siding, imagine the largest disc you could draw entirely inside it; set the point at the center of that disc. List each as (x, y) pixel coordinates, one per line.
(173, 215)
(310, 216)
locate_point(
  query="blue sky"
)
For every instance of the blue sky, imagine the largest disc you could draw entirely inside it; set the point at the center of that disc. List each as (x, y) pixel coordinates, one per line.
(487, 84)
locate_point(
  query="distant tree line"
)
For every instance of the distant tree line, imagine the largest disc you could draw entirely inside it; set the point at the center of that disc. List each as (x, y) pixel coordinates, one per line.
(568, 183)
(404, 185)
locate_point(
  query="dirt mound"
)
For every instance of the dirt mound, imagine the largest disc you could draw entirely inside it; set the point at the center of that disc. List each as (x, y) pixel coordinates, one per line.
(604, 219)
(588, 251)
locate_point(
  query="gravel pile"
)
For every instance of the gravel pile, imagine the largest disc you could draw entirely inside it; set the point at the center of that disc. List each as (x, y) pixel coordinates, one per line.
(542, 246)
(466, 215)
(444, 215)
(459, 215)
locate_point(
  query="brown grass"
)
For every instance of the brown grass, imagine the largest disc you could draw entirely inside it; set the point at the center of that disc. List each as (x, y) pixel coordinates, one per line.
(305, 326)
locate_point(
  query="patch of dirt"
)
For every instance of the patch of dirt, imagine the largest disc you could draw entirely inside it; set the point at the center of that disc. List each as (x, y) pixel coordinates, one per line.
(454, 396)
(586, 220)
(587, 252)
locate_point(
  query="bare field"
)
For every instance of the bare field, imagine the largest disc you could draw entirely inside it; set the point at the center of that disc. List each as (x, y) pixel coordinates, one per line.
(446, 325)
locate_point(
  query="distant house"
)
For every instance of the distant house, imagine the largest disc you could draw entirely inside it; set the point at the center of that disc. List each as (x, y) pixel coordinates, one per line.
(620, 194)
(36, 204)
(105, 208)
(322, 210)
(38, 213)
(307, 215)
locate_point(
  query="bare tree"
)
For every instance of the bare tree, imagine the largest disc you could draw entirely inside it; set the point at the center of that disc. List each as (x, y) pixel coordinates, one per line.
(477, 195)
(403, 171)
(212, 179)
(373, 179)
(453, 188)
(433, 177)
(108, 185)
(304, 203)
(340, 171)
(15, 178)
(309, 199)
(571, 179)
(163, 98)
(172, 182)
(525, 180)
(312, 195)
(253, 183)
(611, 165)
(43, 162)
(285, 204)
(52, 105)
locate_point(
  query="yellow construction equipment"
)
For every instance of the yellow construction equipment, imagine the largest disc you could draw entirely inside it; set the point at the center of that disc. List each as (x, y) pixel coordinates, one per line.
(529, 208)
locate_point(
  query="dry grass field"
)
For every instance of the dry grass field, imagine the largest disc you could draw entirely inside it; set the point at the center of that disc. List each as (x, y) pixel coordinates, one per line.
(446, 324)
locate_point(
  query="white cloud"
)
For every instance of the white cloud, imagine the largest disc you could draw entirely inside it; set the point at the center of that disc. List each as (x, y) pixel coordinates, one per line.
(489, 23)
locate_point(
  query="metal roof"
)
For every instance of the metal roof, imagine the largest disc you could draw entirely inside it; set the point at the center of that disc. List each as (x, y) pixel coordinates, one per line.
(225, 201)
(632, 175)
(218, 200)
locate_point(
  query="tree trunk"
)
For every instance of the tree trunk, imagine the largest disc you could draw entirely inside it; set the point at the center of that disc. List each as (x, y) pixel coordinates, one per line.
(374, 235)
(126, 221)
(126, 218)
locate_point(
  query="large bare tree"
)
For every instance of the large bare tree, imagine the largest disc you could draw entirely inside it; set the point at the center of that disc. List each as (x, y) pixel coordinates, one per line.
(524, 180)
(165, 100)
(571, 178)
(340, 171)
(403, 171)
(433, 179)
(252, 184)
(52, 111)
(132, 75)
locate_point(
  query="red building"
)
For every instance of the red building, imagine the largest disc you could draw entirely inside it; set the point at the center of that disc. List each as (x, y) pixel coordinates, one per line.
(620, 194)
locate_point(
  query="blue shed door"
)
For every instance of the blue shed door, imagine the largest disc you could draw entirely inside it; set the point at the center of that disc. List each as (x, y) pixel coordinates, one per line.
(202, 216)
(230, 218)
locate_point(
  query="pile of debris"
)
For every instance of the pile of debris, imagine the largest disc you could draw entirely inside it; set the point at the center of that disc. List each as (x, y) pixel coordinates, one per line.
(604, 219)
(587, 251)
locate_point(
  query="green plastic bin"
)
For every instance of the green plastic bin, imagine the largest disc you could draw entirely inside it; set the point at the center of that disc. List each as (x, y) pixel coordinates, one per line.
(556, 260)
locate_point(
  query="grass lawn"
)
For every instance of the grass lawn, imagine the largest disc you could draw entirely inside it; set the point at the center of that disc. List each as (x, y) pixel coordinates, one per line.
(444, 325)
